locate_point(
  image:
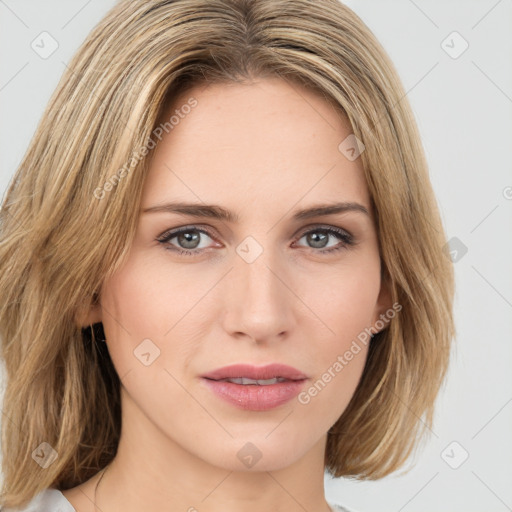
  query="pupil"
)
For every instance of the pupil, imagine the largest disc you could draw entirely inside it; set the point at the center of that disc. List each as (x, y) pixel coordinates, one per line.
(318, 241)
(188, 239)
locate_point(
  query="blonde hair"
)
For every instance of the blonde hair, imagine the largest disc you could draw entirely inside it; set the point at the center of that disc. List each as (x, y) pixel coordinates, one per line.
(71, 210)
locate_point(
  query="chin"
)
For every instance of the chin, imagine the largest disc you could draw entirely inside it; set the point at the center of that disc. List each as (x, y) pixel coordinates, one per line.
(257, 453)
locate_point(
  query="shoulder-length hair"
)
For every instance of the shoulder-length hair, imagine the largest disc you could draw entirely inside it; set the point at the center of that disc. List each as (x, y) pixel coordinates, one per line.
(70, 214)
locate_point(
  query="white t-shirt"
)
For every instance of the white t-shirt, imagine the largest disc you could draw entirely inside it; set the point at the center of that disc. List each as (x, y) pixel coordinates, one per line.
(52, 500)
(49, 500)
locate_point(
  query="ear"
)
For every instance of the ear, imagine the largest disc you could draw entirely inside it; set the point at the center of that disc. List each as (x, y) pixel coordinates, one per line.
(89, 315)
(384, 303)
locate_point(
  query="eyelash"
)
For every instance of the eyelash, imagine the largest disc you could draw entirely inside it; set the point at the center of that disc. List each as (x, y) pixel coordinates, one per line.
(341, 234)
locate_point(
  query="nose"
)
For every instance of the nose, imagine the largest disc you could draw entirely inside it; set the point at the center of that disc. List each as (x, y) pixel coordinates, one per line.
(258, 302)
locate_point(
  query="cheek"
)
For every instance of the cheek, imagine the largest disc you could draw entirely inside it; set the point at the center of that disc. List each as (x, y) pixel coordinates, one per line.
(344, 298)
(346, 302)
(329, 393)
(146, 300)
(340, 355)
(131, 316)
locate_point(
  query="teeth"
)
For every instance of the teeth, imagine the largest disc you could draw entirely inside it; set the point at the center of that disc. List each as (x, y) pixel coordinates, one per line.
(246, 381)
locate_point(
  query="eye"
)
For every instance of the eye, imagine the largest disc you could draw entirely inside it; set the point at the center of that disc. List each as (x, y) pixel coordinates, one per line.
(188, 239)
(319, 238)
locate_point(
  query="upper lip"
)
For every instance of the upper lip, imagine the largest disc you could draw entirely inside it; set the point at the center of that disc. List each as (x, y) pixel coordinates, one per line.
(250, 371)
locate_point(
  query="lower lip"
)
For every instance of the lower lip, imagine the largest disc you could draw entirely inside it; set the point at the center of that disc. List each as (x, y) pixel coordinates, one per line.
(254, 397)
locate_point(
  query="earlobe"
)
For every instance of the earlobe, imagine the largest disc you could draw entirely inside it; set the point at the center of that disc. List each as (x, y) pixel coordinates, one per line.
(88, 316)
(383, 305)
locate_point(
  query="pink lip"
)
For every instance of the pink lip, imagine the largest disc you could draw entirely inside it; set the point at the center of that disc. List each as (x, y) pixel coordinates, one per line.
(250, 371)
(256, 397)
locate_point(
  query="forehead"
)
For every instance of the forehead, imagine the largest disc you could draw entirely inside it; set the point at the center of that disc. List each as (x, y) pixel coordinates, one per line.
(267, 140)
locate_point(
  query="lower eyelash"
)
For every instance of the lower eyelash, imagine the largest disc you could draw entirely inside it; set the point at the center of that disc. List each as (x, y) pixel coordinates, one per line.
(341, 235)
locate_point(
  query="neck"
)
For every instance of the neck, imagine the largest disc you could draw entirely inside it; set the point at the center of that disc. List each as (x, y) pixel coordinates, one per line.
(155, 473)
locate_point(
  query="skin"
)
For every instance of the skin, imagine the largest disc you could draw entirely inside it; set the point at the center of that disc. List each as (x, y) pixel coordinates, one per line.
(262, 150)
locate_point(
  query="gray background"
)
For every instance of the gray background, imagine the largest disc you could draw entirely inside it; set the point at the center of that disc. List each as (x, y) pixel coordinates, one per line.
(463, 108)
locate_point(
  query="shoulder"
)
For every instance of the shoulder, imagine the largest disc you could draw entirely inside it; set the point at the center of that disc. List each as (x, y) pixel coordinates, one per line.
(48, 500)
(338, 508)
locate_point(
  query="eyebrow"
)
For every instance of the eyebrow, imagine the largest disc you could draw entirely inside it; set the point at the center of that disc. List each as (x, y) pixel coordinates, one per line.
(218, 212)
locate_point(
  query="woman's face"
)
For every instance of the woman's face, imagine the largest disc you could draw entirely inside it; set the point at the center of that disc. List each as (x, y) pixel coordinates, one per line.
(267, 287)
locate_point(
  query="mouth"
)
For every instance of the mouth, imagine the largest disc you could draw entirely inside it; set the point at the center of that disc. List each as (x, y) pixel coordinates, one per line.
(255, 388)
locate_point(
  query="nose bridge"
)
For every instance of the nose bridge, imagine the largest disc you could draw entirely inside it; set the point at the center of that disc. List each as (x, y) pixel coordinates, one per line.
(259, 279)
(259, 304)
